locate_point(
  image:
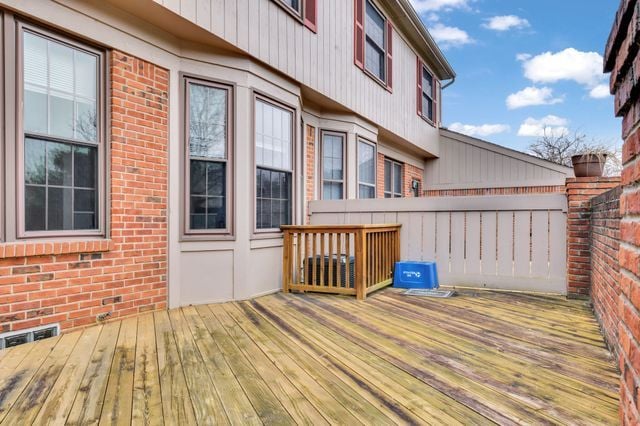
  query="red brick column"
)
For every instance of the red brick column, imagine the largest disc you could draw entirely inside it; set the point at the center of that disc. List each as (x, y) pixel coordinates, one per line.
(310, 164)
(580, 191)
(411, 173)
(380, 176)
(622, 59)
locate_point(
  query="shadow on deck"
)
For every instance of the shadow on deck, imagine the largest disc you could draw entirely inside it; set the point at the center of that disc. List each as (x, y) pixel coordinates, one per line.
(285, 358)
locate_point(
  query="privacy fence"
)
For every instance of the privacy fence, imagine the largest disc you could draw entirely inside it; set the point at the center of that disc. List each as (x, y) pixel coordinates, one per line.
(507, 242)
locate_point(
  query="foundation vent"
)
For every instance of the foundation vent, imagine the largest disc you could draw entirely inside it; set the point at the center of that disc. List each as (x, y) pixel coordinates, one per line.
(15, 338)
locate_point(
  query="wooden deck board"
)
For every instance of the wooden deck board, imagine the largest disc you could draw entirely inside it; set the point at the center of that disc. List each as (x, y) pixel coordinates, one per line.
(481, 358)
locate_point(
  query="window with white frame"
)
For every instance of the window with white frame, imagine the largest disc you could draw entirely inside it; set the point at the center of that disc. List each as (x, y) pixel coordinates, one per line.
(366, 170)
(62, 141)
(392, 179)
(274, 164)
(333, 145)
(375, 47)
(208, 146)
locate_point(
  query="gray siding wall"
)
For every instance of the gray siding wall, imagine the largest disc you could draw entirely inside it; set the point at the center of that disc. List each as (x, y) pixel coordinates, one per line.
(466, 162)
(322, 61)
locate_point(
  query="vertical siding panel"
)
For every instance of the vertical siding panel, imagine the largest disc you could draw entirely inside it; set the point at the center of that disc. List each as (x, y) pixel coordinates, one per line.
(457, 243)
(428, 237)
(299, 61)
(203, 13)
(489, 243)
(283, 51)
(472, 249)
(254, 29)
(230, 27)
(263, 20)
(505, 243)
(217, 18)
(540, 244)
(242, 24)
(557, 245)
(522, 244)
(414, 226)
(173, 5)
(442, 244)
(188, 10)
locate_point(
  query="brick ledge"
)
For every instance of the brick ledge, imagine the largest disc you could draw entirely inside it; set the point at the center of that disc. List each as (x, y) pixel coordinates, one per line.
(45, 248)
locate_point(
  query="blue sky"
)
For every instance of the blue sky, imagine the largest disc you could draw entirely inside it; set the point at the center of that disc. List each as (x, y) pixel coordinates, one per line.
(525, 65)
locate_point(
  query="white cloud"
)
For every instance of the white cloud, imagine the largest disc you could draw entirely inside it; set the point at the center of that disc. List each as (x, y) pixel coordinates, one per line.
(601, 91)
(422, 6)
(481, 130)
(449, 36)
(523, 57)
(584, 68)
(530, 96)
(506, 22)
(550, 125)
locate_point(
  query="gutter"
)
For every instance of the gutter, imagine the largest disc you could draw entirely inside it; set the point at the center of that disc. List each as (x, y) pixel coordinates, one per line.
(453, 80)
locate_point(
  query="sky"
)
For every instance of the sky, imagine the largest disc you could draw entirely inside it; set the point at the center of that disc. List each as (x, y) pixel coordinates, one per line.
(525, 67)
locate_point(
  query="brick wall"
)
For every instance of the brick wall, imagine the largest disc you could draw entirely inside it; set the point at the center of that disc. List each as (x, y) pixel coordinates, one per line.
(580, 191)
(411, 173)
(495, 191)
(605, 270)
(75, 283)
(622, 59)
(310, 142)
(380, 177)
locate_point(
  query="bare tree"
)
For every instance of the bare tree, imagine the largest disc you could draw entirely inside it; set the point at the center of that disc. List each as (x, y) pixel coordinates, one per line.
(560, 147)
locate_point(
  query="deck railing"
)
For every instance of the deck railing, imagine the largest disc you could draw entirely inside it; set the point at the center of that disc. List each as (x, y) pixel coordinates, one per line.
(340, 259)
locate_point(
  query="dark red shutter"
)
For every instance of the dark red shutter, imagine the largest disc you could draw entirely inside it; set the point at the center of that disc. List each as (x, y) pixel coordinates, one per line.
(358, 42)
(389, 56)
(419, 85)
(436, 101)
(311, 14)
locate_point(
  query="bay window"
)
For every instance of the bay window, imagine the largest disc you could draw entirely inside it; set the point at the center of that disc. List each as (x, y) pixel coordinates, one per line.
(61, 143)
(274, 164)
(366, 170)
(208, 146)
(333, 146)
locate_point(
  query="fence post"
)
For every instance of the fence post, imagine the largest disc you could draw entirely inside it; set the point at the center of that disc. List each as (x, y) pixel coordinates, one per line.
(361, 263)
(286, 261)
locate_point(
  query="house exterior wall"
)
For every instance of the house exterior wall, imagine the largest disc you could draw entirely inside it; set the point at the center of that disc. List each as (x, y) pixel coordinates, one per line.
(322, 61)
(621, 59)
(467, 163)
(76, 283)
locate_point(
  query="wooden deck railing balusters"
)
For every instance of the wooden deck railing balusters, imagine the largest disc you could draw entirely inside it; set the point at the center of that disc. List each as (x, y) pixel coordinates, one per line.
(373, 249)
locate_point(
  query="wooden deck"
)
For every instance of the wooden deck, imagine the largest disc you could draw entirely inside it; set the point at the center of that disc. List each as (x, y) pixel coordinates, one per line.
(479, 358)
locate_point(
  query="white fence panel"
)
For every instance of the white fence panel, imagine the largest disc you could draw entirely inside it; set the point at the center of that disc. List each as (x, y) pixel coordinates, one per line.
(506, 242)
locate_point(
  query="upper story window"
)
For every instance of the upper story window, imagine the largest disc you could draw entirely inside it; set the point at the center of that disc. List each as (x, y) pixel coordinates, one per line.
(373, 42)
(306, 11)
(274, 164)
(207, 132)
(374, 54)
(366, 170)
(61, 142)
(333, 147)
(392, 179)
(426, 93)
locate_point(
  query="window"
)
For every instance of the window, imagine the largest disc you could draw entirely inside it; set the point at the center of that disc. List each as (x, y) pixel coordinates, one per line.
(333, 165)
(426, 93)
(373, 42)
(366, 170)
(274, 164)
(306, 11)
(61, 144)
(207, 135)
(392, 179)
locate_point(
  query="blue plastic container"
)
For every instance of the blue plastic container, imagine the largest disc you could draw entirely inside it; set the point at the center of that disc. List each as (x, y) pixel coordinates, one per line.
(415, 275)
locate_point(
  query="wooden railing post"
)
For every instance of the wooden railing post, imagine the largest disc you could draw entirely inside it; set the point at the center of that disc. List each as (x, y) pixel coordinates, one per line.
(286, 260)
(361, 263)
